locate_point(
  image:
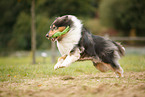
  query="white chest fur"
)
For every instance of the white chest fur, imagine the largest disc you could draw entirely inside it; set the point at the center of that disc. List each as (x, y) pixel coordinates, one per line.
(65, 47)
(71, 39)
(69, 42)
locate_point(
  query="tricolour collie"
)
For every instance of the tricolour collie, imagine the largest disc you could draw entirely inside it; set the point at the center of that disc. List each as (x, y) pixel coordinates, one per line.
(79, 44)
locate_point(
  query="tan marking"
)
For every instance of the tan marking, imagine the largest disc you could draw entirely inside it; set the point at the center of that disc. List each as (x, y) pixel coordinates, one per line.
(51, 33)
(103, 67)
(61, 28)
(62, 58)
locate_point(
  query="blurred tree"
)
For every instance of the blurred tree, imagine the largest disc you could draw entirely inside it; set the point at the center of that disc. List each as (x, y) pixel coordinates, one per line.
(33, 32)
(124, 15)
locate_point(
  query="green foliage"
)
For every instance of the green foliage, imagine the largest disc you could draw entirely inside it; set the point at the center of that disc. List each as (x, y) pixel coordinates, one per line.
(93, 25)
(9, 12)
(21, 32)
(42, 27)
(75, 7)
(15, 25)
(123, 15)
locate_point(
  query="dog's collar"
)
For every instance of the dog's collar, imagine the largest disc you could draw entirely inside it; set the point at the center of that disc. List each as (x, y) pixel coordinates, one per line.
(58, 34)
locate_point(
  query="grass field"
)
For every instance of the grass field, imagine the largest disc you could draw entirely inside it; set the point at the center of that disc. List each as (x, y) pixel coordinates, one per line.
(19, 78)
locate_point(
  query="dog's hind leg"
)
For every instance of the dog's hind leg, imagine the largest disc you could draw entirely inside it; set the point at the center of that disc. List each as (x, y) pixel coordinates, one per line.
(116, 66)
(103, 67)
(117, 69)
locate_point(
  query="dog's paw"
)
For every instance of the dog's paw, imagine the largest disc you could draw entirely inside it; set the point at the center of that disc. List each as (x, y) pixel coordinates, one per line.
(62, 66)
(56, 67)
(119, 75)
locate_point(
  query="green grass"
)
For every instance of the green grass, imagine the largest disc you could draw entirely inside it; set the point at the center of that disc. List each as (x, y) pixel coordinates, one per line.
(133, 63)
(14, 69)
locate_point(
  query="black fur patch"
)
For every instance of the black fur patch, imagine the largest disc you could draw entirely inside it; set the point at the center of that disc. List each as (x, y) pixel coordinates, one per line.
(63, 21)
(98, 48)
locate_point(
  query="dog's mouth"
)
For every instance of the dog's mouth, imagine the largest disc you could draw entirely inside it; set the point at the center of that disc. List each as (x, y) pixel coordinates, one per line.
(54, 39)
(57, 34)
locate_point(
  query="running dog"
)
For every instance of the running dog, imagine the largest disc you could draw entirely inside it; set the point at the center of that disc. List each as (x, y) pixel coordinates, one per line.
(79, 44)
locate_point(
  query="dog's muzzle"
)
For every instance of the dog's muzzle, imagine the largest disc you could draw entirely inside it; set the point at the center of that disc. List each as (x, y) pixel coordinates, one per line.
(48, 37)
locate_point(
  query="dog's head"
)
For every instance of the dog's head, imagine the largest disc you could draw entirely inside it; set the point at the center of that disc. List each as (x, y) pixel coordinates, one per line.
(59, 25)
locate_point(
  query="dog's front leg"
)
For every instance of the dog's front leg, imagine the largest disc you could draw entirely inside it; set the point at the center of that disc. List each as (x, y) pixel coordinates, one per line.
(59, 62)
(72, 57)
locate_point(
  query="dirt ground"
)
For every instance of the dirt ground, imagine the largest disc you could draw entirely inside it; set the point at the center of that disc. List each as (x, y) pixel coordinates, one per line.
(99, 85)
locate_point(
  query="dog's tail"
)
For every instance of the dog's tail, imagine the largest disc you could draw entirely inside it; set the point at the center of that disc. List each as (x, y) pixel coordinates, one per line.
(121, 49)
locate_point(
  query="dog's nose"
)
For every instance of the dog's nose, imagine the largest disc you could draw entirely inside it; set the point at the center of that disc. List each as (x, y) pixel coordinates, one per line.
(47, 35)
